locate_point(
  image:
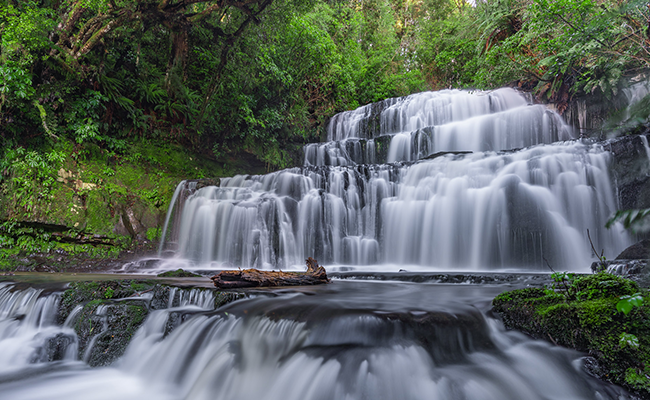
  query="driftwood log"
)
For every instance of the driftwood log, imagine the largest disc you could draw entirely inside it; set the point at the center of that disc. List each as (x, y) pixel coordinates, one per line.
(315, 275)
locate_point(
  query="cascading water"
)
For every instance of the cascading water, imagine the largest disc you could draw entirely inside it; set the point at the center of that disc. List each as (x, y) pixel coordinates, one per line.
(29, 334)
(500, 207)
(348, 340)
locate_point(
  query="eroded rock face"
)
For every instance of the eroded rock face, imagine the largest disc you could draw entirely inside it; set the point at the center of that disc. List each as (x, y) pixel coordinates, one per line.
(630, 169)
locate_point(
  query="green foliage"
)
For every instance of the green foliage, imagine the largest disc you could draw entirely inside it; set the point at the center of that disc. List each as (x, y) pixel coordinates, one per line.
(153, 234)
(628, 302)
(629, 340)
(603, 285)
(638, 378)
(223, 84)
(32, 175)
(109, 293)
(635, 220)
(85, 187)
(559, 48)
(217, 83)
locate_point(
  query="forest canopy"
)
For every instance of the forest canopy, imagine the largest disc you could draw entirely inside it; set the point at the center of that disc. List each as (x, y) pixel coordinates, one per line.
(230, 76)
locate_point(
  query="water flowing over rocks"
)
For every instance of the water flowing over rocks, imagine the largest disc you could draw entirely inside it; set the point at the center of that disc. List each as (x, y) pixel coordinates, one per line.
(345, 340)
(372, 195)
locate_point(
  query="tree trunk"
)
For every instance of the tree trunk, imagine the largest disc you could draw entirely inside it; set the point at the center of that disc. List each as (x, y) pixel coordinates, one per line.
(315, 275)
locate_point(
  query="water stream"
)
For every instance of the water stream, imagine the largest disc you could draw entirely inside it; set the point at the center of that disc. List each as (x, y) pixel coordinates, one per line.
(346, 340)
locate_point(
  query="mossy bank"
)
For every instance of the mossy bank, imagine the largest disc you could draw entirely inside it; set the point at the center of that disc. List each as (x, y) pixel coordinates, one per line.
(604, 315)
(83, 200)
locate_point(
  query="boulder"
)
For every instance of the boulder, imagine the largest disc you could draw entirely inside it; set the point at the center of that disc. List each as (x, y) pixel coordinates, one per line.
(638, 251)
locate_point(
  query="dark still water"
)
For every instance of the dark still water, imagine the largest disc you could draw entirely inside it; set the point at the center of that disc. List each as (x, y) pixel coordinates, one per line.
(346, 340)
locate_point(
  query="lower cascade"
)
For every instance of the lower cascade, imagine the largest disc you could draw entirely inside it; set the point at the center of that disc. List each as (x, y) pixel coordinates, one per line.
(351, 340)
(457, 193)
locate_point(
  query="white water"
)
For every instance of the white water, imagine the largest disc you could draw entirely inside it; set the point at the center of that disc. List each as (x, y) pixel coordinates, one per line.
(28, 330)
(430, 122)
(349, 340)
(482, 211)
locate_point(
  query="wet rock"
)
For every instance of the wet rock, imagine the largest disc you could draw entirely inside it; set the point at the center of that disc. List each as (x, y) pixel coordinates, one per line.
(201, 183)
(638, 251)
(179, 273)
(630, 171)
(160, 299)
(112, 311)
(104, 330)
(619, 267)
(223, 298)
(54, 348)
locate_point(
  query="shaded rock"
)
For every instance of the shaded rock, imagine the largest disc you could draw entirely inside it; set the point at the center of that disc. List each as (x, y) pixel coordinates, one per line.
(638, 251)
(179, 273)
(105, 330)
(630, 171)
(106, 314)
(54, 349)
(619, 267)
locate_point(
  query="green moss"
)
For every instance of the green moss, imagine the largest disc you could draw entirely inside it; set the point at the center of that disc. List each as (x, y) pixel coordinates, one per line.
(139, 286)
(583, 315)
(638, 379)
(97, 292)
(520, 295)
(599, 312)
(603, 285)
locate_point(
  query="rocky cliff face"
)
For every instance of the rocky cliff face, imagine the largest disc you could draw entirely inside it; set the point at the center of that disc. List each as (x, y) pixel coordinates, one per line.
(630, 170)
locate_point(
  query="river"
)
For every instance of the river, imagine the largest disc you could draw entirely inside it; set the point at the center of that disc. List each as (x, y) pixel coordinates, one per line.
(347, 340)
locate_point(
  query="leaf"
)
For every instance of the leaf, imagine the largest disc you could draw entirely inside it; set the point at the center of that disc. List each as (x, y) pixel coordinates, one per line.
(624, 307)
(627, 339)
(632, 219)
(627, 303)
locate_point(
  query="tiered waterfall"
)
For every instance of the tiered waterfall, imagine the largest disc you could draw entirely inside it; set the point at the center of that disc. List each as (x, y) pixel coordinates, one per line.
(452, 179)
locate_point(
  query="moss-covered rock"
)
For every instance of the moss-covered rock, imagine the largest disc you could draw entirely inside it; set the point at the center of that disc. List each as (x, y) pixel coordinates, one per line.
(581, 313)
(223, 298)
(105, 328)
(80, 293)
(106, 314)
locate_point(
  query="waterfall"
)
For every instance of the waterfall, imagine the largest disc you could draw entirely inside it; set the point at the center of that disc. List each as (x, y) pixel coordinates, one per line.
(456, 180)
(29, 334)
(354, 340)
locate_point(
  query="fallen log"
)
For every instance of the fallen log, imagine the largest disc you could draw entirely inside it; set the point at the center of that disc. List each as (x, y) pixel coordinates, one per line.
(315, 275)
